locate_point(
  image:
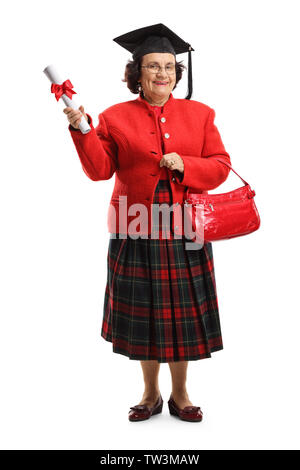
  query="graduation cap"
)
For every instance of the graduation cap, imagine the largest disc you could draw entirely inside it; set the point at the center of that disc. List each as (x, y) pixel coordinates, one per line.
(157, 38)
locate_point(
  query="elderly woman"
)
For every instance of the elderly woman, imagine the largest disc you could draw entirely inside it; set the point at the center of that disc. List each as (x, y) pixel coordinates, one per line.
(160, 301)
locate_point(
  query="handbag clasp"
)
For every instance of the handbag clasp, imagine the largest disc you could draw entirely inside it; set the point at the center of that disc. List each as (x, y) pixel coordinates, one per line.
(187, 202)
(251, 194)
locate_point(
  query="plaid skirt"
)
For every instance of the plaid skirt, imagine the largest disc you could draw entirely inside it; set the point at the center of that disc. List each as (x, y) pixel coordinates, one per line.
(160, 299)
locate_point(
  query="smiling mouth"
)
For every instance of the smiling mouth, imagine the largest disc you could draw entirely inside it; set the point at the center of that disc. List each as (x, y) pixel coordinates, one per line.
(161, 83)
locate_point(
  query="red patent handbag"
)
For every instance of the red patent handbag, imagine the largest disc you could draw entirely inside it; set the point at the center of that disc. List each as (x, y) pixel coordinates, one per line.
(222, 216)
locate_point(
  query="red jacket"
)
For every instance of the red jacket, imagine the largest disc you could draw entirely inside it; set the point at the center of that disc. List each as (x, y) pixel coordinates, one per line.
(126, 143)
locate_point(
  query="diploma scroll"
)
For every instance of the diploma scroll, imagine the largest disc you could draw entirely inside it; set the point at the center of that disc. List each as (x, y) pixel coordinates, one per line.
(54, 78)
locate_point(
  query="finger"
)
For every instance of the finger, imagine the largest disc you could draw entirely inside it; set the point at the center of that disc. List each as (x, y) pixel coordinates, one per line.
(74, 115)
(75, 124)
(74, 121)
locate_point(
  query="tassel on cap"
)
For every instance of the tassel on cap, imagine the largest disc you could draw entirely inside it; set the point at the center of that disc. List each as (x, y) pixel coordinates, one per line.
(190, 77)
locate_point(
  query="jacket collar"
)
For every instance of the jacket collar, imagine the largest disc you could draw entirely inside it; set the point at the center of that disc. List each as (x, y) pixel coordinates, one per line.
(166, 106)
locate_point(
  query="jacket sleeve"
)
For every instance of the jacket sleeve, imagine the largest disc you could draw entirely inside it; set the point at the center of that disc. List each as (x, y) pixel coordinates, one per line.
(206, 172)
(97, 150)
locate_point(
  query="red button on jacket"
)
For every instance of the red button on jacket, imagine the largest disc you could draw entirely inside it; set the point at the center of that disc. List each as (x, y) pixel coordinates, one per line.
(126, 143)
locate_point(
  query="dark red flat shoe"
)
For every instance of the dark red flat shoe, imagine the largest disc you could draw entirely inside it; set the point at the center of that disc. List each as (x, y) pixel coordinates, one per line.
(142, 412)
(188, 413)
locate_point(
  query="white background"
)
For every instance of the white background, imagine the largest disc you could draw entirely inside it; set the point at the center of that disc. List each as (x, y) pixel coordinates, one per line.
(61, 385)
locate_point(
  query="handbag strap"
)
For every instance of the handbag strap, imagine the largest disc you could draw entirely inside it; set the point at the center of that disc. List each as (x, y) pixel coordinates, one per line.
(229, 166)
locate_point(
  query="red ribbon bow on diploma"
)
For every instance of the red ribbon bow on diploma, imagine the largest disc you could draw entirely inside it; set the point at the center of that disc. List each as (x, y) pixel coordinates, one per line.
(64, 88)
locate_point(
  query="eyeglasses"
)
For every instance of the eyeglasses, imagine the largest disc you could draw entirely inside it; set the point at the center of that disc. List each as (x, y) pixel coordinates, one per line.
(155, 68)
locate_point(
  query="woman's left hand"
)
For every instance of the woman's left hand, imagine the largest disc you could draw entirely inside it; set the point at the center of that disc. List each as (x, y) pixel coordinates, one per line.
(173, 161)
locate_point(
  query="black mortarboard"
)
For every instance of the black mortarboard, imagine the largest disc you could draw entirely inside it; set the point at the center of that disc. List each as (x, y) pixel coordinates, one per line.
(157, 38)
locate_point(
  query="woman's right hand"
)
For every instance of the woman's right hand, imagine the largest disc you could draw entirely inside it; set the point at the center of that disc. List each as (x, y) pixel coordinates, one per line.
(74, 116)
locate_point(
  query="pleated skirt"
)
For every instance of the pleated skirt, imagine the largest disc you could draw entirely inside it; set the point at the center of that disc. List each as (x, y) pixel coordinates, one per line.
(160, 299)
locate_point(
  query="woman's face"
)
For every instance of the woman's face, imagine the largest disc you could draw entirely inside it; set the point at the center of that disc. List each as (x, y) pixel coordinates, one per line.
(157, 86)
